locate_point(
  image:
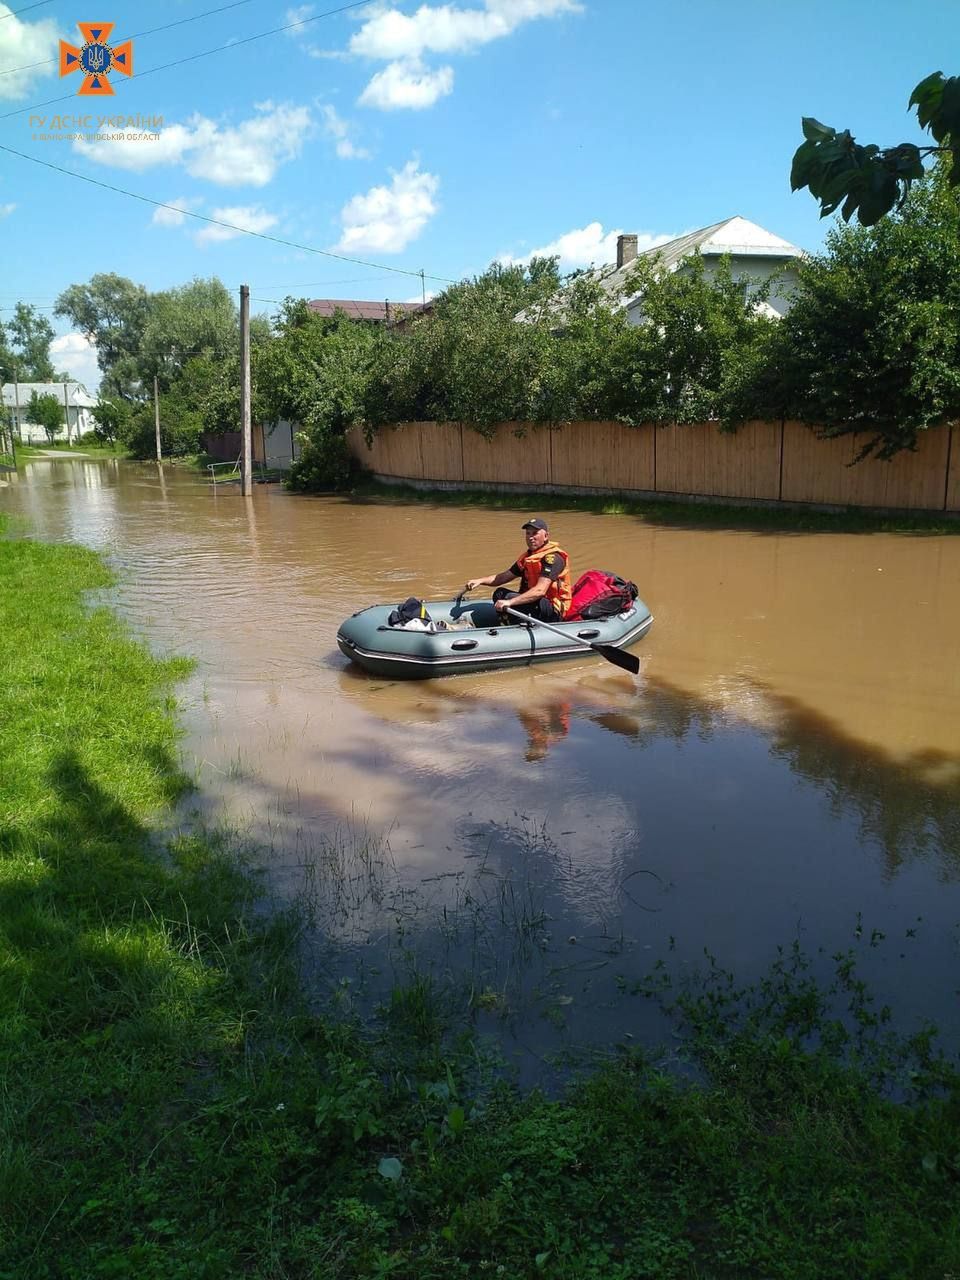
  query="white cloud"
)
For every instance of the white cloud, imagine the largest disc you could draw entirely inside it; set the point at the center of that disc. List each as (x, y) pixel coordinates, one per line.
(246, 154)
(21, 45)
(243, 217)
(303, 33)
(339, 130)
(6, 209)
(408, 84)
(402, 39)
(586, 246)
(298, 14)
(172, 215)
(446, 29)
(387, 219)
(73, 353)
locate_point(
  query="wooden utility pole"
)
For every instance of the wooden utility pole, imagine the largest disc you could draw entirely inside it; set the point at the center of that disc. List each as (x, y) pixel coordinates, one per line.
(16, 402)
(247, 450)
(156, 416)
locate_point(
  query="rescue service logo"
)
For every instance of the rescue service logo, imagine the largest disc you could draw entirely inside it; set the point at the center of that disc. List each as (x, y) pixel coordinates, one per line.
(95, 58)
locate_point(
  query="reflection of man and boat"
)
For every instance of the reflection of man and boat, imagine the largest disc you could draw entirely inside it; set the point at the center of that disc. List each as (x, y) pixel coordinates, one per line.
(544, 726)
(909, 807)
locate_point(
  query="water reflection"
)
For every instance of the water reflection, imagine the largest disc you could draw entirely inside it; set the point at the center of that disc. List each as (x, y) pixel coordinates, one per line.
(712, 832)
(907, 808)
(544, 727)
(774, 771)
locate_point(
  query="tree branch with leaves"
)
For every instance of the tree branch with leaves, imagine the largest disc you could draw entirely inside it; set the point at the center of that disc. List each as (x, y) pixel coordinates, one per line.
(869, 181)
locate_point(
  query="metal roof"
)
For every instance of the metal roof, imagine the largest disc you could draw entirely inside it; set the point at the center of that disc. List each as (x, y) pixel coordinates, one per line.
(738, 237)
(77, 394)
(358, 310)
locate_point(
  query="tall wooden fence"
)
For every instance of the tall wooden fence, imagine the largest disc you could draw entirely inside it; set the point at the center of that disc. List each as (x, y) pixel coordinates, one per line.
(763, 461)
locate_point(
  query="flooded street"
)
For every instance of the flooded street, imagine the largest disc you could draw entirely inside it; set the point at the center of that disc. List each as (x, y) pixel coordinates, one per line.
(786, 766)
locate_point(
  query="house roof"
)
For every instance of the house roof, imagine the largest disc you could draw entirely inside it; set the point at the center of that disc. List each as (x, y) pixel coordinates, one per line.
(77, 394)
(738, 237)
(358, 310)
(735, 236)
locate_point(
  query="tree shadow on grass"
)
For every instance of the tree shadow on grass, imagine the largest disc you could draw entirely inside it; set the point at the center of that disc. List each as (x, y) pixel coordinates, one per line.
(83, 891)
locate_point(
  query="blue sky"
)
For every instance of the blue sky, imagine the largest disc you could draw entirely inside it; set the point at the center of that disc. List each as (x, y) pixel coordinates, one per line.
(431, 136)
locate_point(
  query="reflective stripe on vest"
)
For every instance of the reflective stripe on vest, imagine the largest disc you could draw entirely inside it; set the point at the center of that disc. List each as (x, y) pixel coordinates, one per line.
(559, 591)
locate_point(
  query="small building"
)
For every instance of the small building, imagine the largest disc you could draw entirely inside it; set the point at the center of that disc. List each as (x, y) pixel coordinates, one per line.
(78, 406)
(386, 312)
(274, 445)
(756, 255)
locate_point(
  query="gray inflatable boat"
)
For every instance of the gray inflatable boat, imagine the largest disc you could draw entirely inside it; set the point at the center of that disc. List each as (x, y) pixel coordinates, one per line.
(473, 637)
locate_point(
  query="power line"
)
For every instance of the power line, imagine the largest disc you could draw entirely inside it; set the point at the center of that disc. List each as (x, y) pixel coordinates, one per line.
(310, 284)
(15, 13)
(217, 222)
(179, 62)
(137, 35)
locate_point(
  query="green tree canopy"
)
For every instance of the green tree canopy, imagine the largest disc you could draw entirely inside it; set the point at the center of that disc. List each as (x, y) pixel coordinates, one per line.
(30, 335)
(47, 412)
(872, 342)
(111, 311)
(199, 319)
(869, 180)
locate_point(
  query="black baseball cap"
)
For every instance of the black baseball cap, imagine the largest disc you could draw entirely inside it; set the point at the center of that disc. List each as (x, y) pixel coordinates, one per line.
(535, 523)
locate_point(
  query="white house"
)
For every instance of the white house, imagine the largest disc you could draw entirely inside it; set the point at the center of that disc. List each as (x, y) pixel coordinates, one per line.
(755, 255)
(78, 406)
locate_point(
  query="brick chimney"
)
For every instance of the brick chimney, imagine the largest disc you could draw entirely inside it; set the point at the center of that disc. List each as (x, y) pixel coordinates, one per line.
(626, 249)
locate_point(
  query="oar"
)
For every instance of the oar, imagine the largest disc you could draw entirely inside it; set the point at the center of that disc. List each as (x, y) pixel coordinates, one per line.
(616, 656)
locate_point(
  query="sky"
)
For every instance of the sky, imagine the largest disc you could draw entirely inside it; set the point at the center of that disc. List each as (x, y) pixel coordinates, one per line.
(367, 143)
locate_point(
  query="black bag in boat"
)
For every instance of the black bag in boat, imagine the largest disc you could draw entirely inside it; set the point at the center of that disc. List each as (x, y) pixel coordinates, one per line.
(410, 609)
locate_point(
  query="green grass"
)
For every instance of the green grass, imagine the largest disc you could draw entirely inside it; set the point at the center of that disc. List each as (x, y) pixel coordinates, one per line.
(171, 1105)
(711, 515)
(91, 448)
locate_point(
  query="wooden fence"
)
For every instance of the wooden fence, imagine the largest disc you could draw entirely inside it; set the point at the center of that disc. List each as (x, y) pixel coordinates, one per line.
(762, 462)
(228, 445)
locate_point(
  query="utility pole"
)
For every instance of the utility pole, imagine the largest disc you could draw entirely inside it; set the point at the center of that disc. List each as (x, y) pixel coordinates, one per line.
(14, 374)
(246, 476)
(423, 287)
(156, 416)
(66, 414)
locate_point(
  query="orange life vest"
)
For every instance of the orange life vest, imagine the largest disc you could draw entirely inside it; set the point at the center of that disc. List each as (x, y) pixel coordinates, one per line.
(559, 591)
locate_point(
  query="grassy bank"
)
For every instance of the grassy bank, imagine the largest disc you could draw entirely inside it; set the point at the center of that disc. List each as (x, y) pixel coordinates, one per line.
(710, 515)
(171, 1107)
(89, 448)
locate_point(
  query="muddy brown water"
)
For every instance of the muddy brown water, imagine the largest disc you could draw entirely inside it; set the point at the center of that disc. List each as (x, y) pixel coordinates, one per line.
(786, 766)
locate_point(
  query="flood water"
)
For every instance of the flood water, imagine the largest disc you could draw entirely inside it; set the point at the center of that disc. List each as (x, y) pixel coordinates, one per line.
(786, 766)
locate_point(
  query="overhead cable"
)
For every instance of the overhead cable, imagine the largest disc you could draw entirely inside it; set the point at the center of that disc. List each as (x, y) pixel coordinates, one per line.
(137, 35)
(218, 222)
(193, 57)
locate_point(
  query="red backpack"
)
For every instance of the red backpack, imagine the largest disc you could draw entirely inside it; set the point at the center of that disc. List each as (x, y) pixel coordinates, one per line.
(599, 594)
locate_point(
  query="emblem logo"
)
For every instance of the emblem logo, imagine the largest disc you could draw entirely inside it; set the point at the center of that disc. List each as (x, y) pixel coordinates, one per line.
(96, 59)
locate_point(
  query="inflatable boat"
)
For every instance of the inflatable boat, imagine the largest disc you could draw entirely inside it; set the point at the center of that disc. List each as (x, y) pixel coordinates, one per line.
(471, 636)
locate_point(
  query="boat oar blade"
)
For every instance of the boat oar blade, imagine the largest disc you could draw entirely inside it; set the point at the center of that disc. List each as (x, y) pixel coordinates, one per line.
(618, 658)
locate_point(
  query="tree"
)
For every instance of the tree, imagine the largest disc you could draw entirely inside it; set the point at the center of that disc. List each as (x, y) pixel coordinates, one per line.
(47, 412)
(315, 372)
(111, 311)
(30, 337)
(110, 419)
(197, 319)
(872, 342)
(869, 181)
(475, 362)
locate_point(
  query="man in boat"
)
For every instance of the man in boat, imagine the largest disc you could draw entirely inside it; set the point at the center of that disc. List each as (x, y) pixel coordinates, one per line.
(544, 573)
